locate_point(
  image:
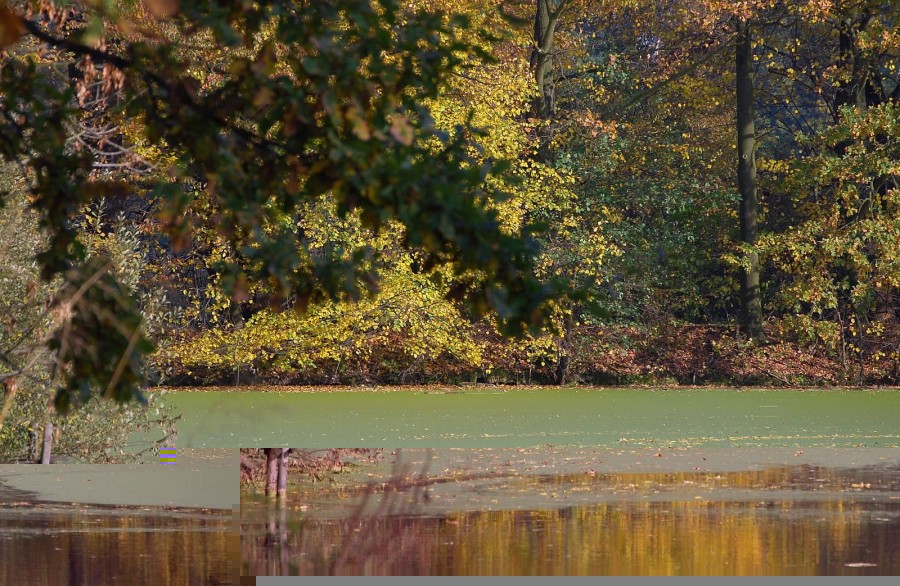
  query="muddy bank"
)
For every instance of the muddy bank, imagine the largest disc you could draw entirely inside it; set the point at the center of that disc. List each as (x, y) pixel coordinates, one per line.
(201, 479)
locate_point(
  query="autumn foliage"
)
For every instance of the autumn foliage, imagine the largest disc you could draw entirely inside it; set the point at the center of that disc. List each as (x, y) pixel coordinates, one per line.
(373, 191)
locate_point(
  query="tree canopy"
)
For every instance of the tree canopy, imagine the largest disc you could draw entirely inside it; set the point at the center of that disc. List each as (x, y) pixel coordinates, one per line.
(231, 119)
(366, 190)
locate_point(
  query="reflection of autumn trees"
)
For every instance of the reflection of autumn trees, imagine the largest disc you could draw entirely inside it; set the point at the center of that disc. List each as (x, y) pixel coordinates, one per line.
(799, 478)
(619, 539)
(625, 536)
(71, 547)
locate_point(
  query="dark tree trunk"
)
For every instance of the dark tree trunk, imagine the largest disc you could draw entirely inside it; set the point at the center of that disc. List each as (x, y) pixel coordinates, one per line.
(565, 347)
(542, 57)
(237, 319)
(545, 20)
(885, 305)
(751, 301)
(860, 90)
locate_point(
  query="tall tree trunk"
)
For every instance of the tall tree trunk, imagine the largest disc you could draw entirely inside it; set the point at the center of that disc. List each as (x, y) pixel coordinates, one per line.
(48, 443)
(859, 91)
(885, 304)
(11, 387)
(545, 20)
(542, 57)
(751, 302)
(237, 319)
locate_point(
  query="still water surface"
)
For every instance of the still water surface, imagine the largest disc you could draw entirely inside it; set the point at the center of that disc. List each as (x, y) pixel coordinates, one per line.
(787, 520)
(50, 544)
(529, 417)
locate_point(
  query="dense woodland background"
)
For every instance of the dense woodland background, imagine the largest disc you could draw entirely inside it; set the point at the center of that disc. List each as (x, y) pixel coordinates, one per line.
(359, 192)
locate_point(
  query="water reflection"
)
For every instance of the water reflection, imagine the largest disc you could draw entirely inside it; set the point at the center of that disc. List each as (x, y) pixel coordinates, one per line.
(55, 544)
(785, 521)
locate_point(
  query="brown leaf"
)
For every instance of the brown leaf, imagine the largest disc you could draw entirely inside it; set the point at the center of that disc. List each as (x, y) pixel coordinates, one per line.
(162, 8)
(263, 97)
(241, 291)
(358, 124)
(401, 129)
(10, 27)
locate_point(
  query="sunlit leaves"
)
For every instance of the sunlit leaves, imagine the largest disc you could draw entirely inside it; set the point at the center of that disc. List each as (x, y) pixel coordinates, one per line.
(409, 322)
(277, 105)
(846, 244)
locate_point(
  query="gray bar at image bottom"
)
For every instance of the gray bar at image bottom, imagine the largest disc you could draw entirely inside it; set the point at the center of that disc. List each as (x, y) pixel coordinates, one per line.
(571, 580)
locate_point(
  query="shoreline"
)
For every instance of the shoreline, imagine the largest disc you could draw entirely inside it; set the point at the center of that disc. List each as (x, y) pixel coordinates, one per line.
(463, 388)
(548, 460)
(28, 502)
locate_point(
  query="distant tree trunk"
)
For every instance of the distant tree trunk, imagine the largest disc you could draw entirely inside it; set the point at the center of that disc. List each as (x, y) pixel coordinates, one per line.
(884, 303)
(10, 387)
(565, 347)
(542, 57)
(751, 302)
(35, 445)
(859, 90)
(237, 319)
(48, 443)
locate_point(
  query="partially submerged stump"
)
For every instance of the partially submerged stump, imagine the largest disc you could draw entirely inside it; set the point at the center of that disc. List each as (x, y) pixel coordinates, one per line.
(276, 471)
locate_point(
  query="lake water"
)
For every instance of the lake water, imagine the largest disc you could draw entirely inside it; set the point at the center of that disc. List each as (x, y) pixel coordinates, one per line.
(654, 504)
(43, 544)
(133, 524)
(500, 514)
(528, 417)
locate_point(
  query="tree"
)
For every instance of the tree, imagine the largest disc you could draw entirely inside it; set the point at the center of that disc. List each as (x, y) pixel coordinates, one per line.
(306, 99)
(751, 301)
(829, 235)
(276, 472)
(97, 432)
